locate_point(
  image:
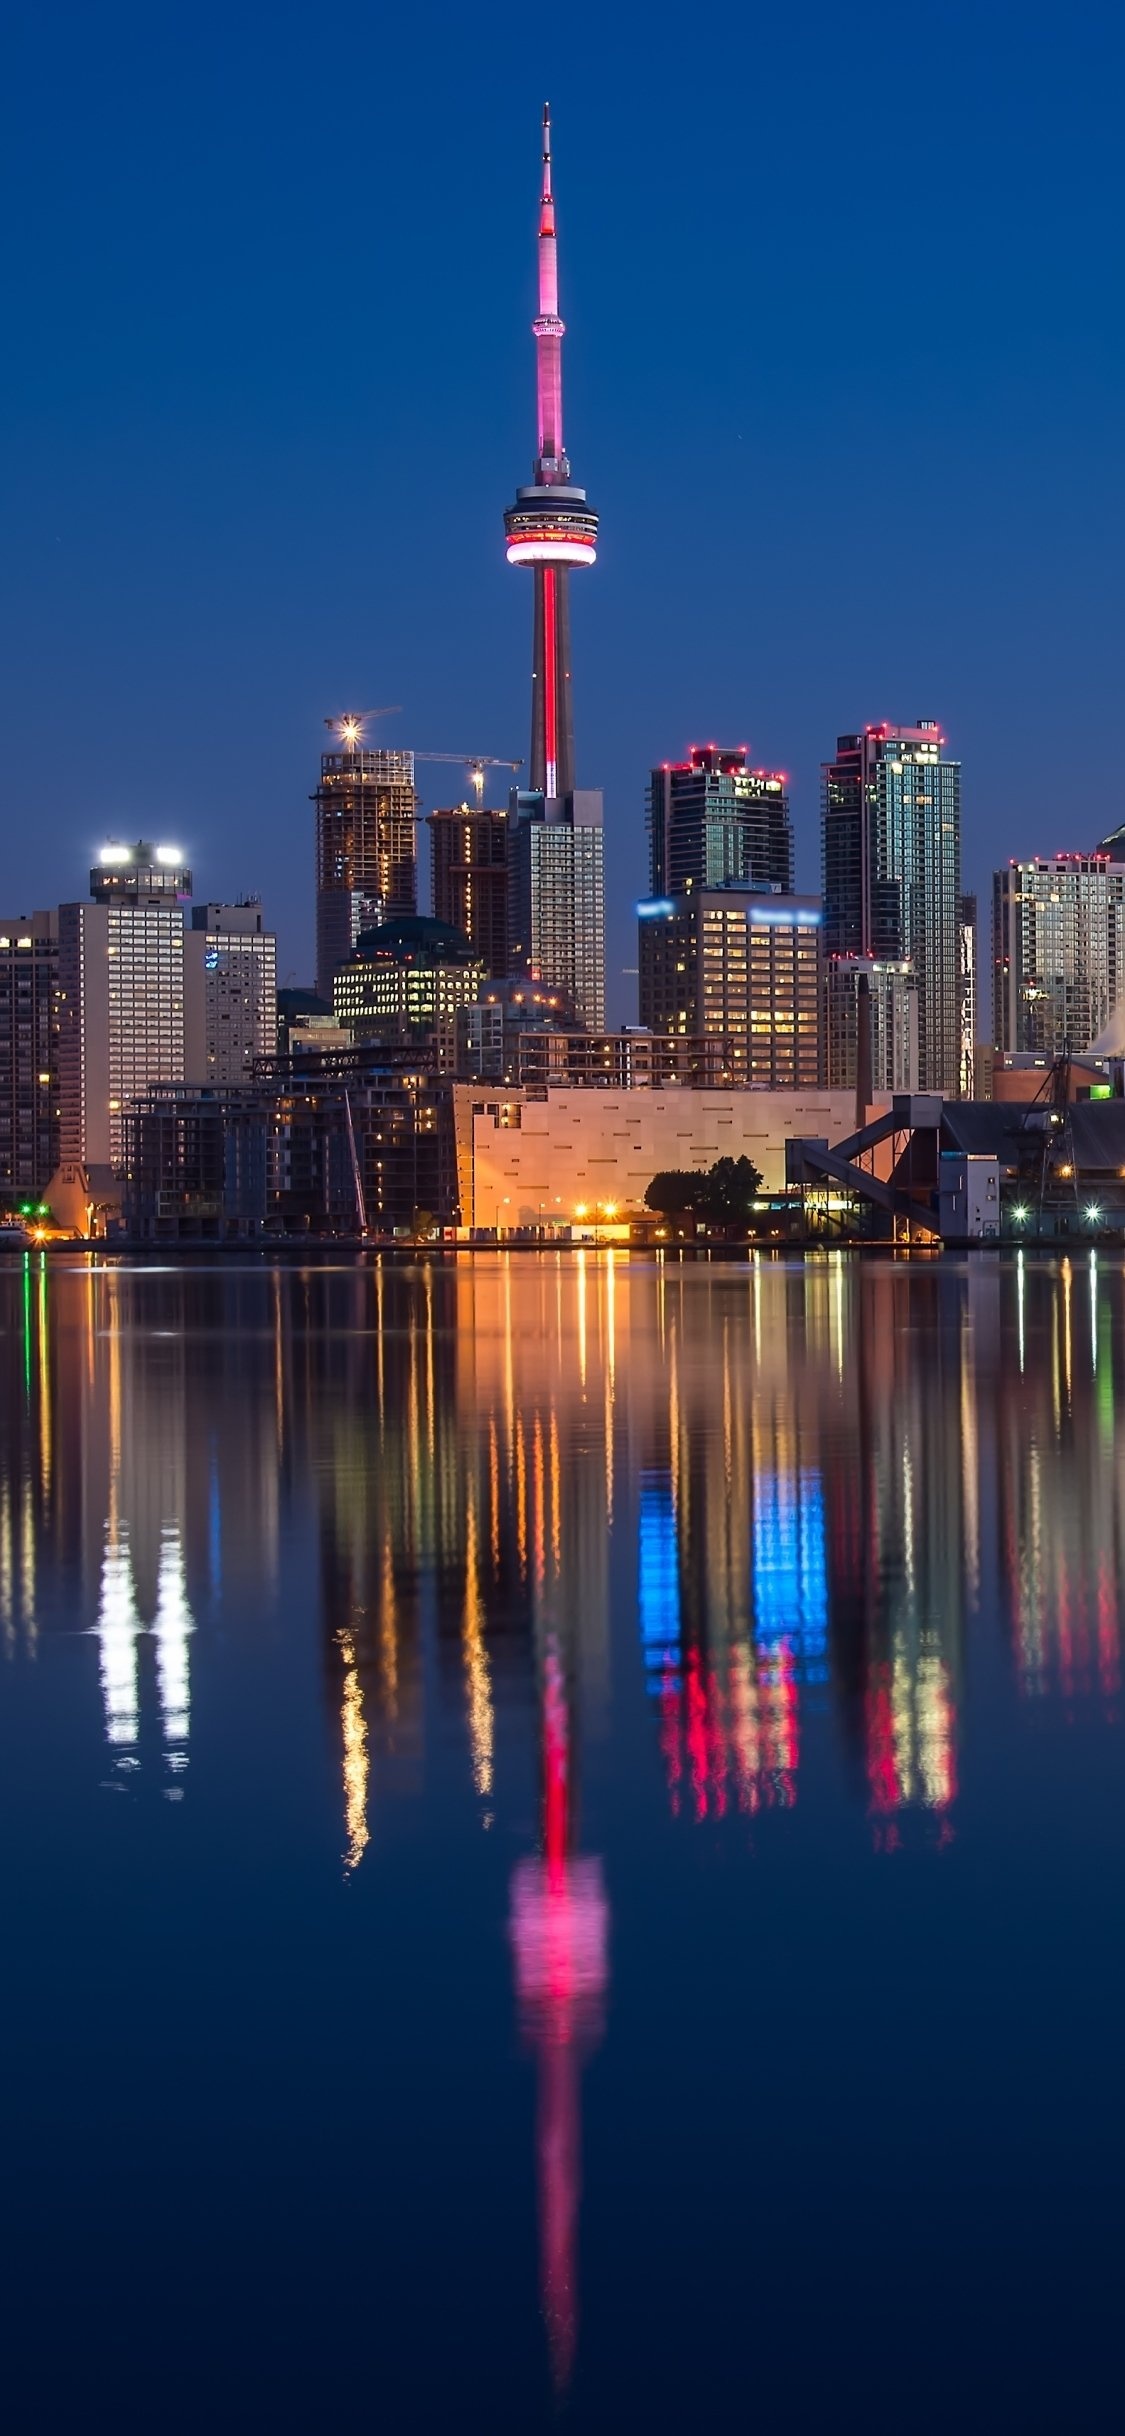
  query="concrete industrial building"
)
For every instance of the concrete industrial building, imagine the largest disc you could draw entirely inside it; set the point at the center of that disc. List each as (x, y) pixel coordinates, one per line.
(530, 1159)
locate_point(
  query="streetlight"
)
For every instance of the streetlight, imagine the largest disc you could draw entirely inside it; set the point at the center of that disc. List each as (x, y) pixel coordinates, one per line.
(603, 1212)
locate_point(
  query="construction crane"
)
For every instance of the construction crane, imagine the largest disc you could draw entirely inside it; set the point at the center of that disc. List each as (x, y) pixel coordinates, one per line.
(350, 725)
(475, 763)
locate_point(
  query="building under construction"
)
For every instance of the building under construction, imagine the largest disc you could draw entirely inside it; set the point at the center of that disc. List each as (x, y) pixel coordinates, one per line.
(366, 863)
(469, 878)
(360, 1147)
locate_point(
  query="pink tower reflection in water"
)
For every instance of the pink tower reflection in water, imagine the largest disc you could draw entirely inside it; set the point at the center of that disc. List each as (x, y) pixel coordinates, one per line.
(559, 1931)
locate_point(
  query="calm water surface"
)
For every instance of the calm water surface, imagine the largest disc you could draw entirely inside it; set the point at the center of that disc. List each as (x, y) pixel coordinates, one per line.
(563, 1845)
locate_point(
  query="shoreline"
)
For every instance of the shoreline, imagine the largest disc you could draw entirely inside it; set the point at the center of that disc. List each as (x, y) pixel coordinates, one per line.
(324, 1249)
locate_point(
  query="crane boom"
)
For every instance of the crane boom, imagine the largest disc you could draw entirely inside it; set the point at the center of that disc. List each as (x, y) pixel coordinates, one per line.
(476, 764)
(473, 761)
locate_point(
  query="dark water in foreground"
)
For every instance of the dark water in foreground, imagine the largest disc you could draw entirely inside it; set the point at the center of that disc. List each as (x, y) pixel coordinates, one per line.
(563, 1846)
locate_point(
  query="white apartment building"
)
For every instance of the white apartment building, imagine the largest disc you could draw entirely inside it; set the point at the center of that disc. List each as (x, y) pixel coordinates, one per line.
(230, 992)
(121, 997)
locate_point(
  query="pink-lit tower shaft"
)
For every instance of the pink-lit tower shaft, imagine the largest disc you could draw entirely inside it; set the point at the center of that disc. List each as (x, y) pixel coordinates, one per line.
(559, 1929)
(551, 528)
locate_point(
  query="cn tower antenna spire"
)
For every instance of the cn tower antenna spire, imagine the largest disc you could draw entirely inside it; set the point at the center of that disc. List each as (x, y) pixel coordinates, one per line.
(551, 528)
(550, 463)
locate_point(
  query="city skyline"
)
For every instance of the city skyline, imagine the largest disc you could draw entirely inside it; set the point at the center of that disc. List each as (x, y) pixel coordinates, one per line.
(788, 670)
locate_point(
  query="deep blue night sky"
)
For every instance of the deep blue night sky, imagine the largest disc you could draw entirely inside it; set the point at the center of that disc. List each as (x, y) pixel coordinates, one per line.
(844, 377)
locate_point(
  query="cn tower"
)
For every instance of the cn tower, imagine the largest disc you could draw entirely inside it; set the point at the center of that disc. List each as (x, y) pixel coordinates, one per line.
(551, 528)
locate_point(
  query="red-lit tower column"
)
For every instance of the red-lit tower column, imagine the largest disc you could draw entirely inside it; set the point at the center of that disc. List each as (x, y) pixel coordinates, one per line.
(551, 528)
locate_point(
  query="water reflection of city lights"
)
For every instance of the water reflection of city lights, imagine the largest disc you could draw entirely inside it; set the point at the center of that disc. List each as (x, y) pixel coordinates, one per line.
(353, 1726)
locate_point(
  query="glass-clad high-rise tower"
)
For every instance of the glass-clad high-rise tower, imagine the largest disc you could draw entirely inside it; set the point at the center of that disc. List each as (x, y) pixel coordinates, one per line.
(712, 822)
(891, 865)
(557, 900)
(1058, 952)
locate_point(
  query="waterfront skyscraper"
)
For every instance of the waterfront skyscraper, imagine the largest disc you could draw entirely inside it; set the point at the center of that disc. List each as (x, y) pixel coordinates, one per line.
(892, 875)
(741, 966)
(556, 904)
(888, 1004)
(121, 997)
(230, 992)
(969, 995)
(365, 852)
(469, 878)
(551, 528)
(29, 1052)
(1058, 952)
(712, 820)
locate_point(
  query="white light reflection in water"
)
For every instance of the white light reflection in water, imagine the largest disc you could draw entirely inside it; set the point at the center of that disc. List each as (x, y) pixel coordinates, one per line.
(119, 1630)
(172, 1627)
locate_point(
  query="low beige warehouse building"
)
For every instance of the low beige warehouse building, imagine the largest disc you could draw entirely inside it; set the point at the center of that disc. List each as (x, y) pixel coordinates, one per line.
(524, 1160)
